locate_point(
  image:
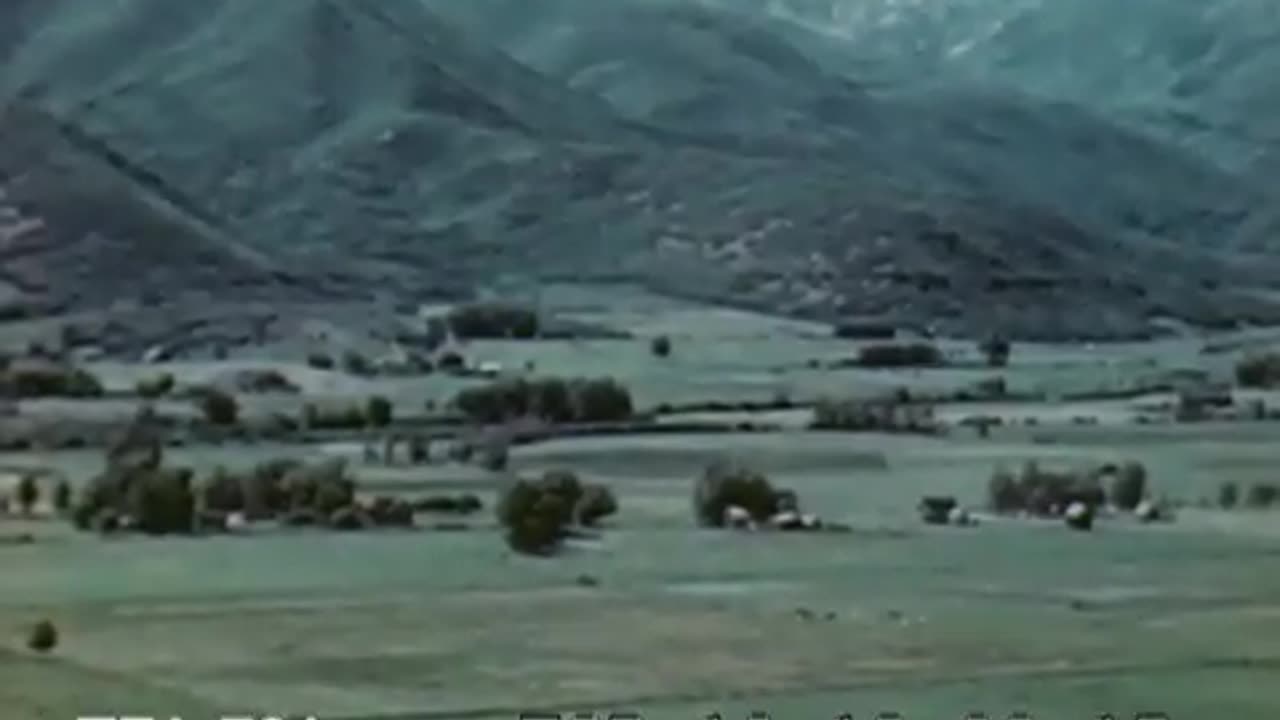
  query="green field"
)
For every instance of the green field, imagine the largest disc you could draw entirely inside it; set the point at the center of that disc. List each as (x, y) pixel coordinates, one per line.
(929, 621)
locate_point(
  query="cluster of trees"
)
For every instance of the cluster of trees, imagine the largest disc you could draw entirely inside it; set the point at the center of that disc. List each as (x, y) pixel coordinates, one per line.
(537, 515)
(45, 378)
(1259, 496)
(219, 407)
(493, 321)
(27, 494)
(1259, 371)
(376, 412)
(555, 400)
(865, 331)
(895, 355)
(138, 492)
(464, 504)
(899, 414)
(156, 500)
(725, 484)
(1042, 492)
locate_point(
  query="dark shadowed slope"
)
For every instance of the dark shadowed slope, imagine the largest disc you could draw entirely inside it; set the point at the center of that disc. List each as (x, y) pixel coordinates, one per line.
(83, 227)
(708, 153)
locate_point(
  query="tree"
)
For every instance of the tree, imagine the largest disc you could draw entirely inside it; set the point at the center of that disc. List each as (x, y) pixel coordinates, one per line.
(155, 387)
(496, 455)
(597, 502)
(660, 346)
(602, 400)
(534, 515)
(28, 494)
(996, 349)
(1228, 495)
(356, 364)
(219, 408)
(1004, 494)
(891, 355)
(1130, 486)
(724, 484)
(43, 637)
(378, 411)
(1258, 370)
(62, 496)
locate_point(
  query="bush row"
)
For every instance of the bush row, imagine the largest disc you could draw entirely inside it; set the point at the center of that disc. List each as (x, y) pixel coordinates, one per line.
(1049, 493)
(47, 379)
(552, 399)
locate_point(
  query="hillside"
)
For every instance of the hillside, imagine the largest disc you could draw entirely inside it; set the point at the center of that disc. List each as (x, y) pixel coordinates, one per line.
(410, 149)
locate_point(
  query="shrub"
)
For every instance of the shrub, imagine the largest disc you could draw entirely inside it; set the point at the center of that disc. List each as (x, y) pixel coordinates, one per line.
(564, 485)
(219, 407)
(1043, 492)
(996, 350)
(602, 400)
(1258, 371)
(1049, 493)
(323, 487)
(515, 501)
(155, 387)
(660, 346)
(464, 504)
(896, 415)
(496, 456)
(537, 514)
(267, 380)
(1130, 486)
(300, 518)
(534, 518)
(161, 502)
(936, 510)
(596, 503)
(321, 361)
(1262, 495)
(461, 451)
(889, 355)
(378, 411)
(391, 512)
(536, 533)
(259, 494)
(62, 496)
(349, 417)
(349, 517)
(222, 492)
(865, 331)
(723, 484)
(786, 501)
(353, 363)
(493, 321)
(1228, 495)
(27, 494)
(33, 379)
(451, 361)
(1004, 493)
(43, 637)
(551, 399)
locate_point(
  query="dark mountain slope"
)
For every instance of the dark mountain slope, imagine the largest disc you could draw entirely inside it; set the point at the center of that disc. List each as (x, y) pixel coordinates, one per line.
(85, 227)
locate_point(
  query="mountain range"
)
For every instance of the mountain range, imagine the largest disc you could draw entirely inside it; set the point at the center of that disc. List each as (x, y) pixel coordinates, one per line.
(1049, 170)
